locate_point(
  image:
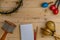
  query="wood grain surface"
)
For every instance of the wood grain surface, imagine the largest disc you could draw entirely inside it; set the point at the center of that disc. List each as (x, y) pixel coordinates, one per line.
(31, 12)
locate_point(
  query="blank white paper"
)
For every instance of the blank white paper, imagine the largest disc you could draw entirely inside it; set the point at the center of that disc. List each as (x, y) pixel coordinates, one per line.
(27, 32)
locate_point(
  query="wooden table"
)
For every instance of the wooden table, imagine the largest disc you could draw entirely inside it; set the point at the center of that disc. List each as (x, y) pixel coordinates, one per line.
(31, 12)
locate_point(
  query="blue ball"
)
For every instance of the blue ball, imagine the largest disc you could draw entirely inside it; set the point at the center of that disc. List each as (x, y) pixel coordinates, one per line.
(45, 5)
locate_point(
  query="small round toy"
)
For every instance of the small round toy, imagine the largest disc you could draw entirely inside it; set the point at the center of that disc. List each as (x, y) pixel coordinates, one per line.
(45, 4)
(52, 7)
(50, 25)
(55, 11)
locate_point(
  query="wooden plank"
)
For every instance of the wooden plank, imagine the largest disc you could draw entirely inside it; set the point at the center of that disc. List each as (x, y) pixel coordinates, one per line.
(30, 12)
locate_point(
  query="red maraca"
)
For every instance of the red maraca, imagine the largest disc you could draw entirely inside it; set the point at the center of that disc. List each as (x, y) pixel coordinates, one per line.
(52, 7)
(55, 11)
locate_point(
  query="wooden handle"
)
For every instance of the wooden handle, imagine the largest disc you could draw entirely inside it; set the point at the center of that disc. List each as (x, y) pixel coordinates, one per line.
(35, 33)
(4, 36)
(50, 2)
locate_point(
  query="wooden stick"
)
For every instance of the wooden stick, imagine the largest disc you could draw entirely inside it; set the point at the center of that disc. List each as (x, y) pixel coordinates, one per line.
(4, 36)
(35, 33)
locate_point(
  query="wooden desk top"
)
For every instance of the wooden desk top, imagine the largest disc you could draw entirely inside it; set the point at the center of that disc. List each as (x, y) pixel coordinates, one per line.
(31, 12)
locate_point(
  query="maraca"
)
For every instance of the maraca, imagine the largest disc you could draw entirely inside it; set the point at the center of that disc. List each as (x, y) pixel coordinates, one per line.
(49, 29)
(45, 4)
(50, 25)
(54, 8)
(55, 11)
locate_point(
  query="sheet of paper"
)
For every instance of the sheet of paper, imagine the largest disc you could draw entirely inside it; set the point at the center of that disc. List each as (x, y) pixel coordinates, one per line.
(27, 32)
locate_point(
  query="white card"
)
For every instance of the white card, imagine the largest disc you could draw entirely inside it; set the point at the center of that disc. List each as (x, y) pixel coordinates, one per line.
(27, 32)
